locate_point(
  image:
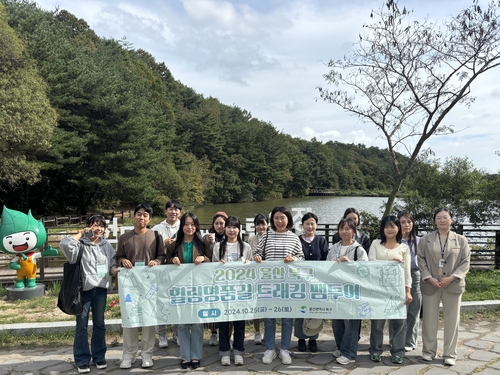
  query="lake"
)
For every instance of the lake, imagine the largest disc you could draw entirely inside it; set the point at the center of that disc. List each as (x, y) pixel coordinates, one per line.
(328, 209)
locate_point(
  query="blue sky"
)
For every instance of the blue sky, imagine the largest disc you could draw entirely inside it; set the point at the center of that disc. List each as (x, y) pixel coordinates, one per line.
(268, 57)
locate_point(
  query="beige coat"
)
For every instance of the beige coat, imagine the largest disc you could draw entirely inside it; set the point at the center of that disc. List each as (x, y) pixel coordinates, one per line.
(456, 261)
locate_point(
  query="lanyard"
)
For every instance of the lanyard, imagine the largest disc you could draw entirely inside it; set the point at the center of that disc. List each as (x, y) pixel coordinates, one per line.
(441, 245)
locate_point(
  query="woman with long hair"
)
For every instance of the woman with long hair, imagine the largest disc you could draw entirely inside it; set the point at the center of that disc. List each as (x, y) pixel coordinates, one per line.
(279, 244)
(444, 260)
(314, 248)
(232, 249)
(388, 248)
(413, 309)
(189, 248)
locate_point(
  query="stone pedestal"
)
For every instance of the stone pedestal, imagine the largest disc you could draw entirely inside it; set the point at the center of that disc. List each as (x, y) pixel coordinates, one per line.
(25, 293)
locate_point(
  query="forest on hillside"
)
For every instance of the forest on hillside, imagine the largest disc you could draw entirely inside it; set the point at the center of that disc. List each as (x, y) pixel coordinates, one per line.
(89, 122)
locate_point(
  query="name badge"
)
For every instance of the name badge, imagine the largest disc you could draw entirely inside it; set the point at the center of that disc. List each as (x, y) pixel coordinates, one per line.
(102, 271)
(140, 264)
(441, 263)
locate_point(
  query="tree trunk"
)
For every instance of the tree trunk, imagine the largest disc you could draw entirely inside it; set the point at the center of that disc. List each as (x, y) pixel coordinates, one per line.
(392, 197)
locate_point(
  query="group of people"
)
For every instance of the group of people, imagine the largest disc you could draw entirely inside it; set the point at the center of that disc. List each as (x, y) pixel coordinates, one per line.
(435, 266)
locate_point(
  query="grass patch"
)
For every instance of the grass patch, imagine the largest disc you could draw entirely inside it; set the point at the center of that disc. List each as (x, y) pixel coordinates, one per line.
(482, 285)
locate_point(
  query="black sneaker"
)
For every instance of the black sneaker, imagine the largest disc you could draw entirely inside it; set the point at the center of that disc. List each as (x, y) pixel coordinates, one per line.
(101, 365)
(83, 369)
(313, 346)
(301, 345)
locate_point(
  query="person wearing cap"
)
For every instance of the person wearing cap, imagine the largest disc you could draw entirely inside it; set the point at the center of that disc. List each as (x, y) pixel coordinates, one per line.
(215, 235)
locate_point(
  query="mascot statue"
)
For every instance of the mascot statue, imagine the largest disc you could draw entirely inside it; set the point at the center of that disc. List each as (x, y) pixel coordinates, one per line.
(22, 235)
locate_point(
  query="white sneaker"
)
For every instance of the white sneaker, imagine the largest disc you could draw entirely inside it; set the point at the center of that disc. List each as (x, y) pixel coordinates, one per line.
(426, 358)
(225, 360)
(147, 362)
(257, 338)
(162, 341)
(336, 353)
(213, 340)
(285, 357)
(344, 360)
(176, 339)
(127, 363)
(269, 355)
(450, 361)
(238, 359)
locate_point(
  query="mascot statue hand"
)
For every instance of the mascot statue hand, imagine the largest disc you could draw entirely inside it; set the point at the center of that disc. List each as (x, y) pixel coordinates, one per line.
(22, 235)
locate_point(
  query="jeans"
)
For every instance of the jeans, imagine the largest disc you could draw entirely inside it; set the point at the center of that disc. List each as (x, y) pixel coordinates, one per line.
(270, 333)
(239, 338)
(191, 340)
(346, 334)
(413, 311)
(397, 336)
(299, 331)
(94, 299)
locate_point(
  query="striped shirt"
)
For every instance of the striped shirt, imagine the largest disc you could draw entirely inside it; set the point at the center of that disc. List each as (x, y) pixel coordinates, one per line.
(278, 245)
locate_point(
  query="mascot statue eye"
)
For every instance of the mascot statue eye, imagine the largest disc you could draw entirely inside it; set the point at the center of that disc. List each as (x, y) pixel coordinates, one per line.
(27, 238)
(10, 242)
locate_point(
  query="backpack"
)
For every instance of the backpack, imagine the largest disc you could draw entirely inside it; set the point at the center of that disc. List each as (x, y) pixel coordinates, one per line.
(312, 326)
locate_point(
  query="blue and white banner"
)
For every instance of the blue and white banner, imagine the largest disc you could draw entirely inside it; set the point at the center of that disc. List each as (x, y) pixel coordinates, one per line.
(215, 292)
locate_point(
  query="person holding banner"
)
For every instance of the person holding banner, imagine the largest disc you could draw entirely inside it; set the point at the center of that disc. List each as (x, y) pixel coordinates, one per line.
(139, 248)
(283, 245)
(346, 332)
(189, 248)
(413, 309)
(444, 260)
(215, 235)
(388, 248)
(232, 249)
(260, 224)
(314, 248)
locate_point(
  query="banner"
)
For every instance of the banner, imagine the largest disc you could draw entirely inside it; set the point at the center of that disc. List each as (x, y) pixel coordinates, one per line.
(216, 292)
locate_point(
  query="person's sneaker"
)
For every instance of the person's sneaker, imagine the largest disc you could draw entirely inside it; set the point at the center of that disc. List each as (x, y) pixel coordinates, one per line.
(343, 360)
(426, 358)
(336, 353)
(450, 361)
(301, 346)
(313, 346)
(162, 341)
(269, 355)
(257, 338)
(238, 359)
(213, 340)
(127, 363)
(147, 362)
(83, 369)
(101, 365)
(176, 339)
(375, 357)
(225, 360)
(397, 359)
(285, 357)
(409, 348)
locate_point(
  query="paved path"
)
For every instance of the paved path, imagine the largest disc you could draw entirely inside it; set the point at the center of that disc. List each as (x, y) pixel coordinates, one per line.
(478, 353)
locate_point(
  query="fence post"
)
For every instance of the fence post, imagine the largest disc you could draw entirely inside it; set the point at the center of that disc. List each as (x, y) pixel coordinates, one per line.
(327, 233)
(497, 249)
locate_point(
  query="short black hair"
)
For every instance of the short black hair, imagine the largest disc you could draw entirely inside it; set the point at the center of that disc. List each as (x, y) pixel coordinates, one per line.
(347, 222)
(99, 219)
(309, 215)
(287, 213)
(441, 210)
(174, 203)
(146, 207)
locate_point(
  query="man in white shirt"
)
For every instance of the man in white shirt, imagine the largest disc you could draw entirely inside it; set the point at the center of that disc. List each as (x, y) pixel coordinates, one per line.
(168, 229)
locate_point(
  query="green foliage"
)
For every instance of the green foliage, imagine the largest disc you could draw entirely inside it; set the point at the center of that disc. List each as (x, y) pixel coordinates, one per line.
(455, 184)
(128, 132)
(482, 285)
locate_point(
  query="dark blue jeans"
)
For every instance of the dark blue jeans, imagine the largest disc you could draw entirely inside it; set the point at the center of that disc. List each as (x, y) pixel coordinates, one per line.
(94, 299)
(239, 338)
(346, 336)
